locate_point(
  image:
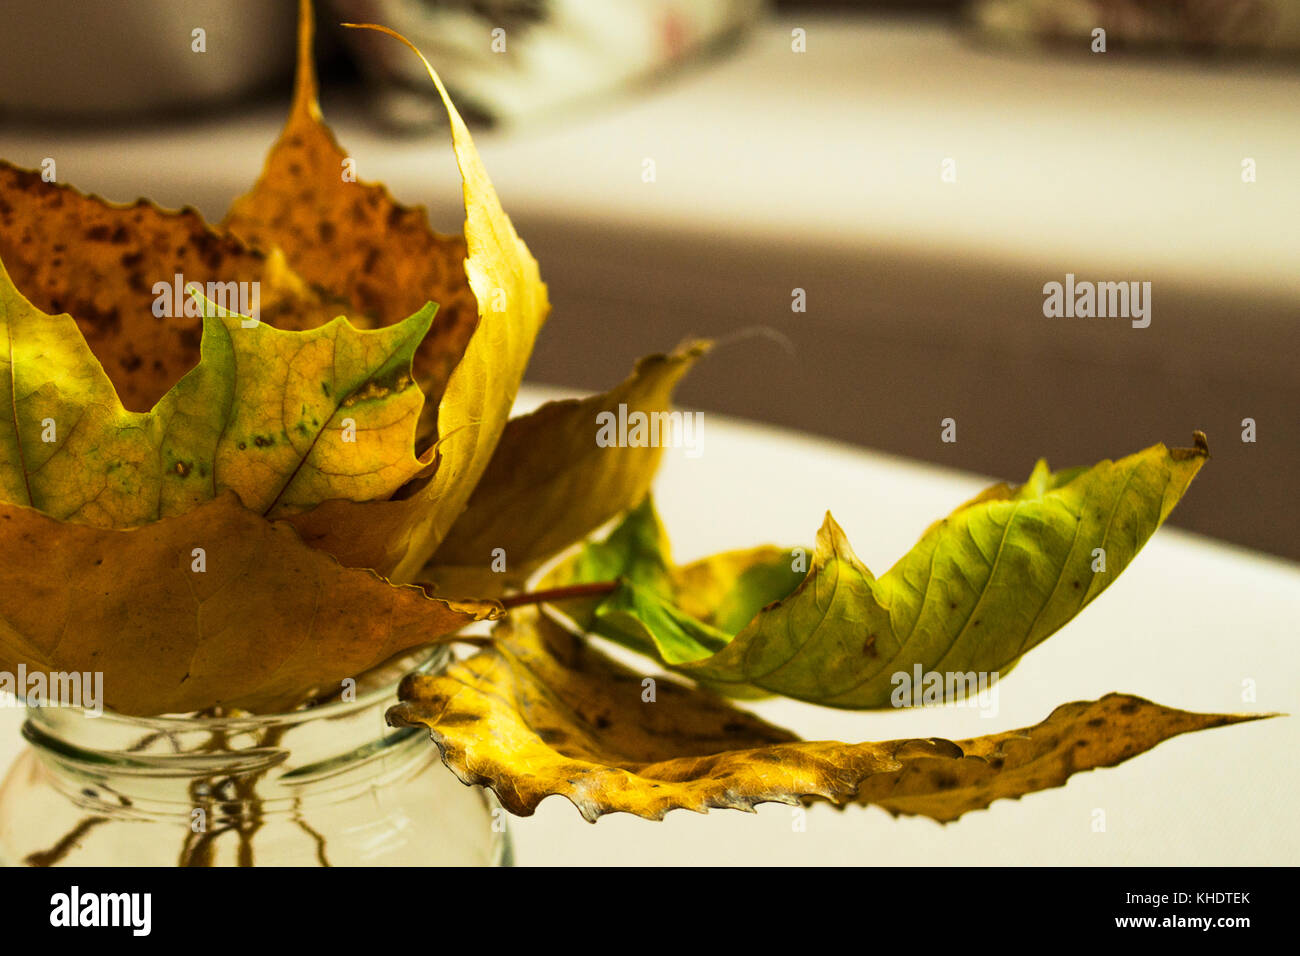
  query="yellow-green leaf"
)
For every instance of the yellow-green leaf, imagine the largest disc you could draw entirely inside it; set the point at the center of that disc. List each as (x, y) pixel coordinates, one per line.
(549, 482)
(308, 416)
(216, 606)
(398, 537)
(542, 713)
(284, 419)
(981, 588)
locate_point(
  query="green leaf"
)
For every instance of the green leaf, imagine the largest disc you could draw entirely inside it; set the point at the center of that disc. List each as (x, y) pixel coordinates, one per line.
(643, 613)
(284, 419)
(981, 588)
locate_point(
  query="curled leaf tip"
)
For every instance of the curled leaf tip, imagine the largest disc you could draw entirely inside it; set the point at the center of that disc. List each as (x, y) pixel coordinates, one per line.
(380, 28)
(1199, 452)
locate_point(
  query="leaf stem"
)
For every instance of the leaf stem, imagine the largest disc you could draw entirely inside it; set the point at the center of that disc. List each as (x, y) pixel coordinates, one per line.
(595, 589)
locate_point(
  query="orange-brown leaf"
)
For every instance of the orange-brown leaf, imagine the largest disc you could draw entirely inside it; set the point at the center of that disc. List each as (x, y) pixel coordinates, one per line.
(352, 237)
(264, 621)
(70, 252)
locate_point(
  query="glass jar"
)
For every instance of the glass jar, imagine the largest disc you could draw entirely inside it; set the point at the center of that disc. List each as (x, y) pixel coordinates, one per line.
(326, 785)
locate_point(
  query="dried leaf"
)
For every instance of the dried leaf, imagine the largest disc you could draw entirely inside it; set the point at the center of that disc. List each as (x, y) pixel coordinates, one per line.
(68, 252)
(352, 237)
(215, 606)
(982, 587)
(398, 537)
(542, 713)
(549, 483)
(284, 419)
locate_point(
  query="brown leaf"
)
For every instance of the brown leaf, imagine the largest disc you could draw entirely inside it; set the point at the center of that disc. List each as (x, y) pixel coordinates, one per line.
(549, 483)
(352, 237)
(98, 261)
(542, 713)
(266, 620)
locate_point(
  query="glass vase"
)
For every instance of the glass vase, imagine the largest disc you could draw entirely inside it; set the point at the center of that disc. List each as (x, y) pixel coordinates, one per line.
(325, 785)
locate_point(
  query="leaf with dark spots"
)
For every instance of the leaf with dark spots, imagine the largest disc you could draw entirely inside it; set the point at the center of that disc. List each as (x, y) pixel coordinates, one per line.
(687, 749)
(75, 262)
(352, 237)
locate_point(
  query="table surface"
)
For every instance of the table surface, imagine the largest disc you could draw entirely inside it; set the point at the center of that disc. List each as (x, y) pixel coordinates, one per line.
(1185, 625)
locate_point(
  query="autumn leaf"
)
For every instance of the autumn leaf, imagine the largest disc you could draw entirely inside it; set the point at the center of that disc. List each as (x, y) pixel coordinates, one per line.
(394, 537)
(284, 419)
(399, 536)
(549, 483)
(308, 416)
(203, 509)
(214, 606)
(541, 713)
(352, 237)
(352, 247)
(981, 588)
(145, 564)
(110, 265)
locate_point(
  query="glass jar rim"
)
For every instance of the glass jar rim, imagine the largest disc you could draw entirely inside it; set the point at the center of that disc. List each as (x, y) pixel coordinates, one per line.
(422, 659)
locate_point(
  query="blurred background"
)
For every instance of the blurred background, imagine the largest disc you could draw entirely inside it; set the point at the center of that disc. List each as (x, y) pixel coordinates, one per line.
(912, 174)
